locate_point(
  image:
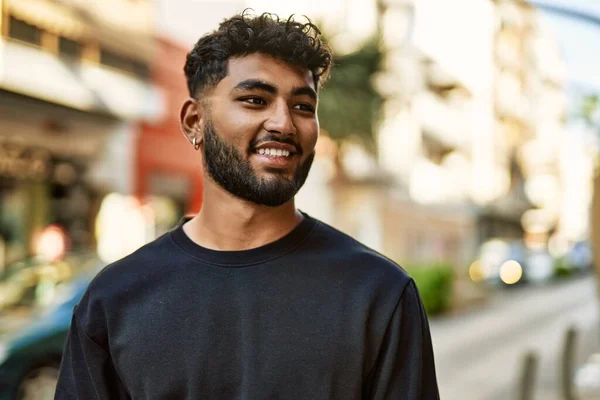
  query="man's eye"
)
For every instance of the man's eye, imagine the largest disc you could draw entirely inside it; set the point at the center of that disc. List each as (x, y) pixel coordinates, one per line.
(255, 100)
(305, 107)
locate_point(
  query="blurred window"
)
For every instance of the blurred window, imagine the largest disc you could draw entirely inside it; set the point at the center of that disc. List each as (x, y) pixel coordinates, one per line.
(25, 32)
(69, 48)
(122, 63)
(434, 149)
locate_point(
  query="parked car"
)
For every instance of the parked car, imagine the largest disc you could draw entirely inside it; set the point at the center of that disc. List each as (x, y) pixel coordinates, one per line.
(502, 261)
(539, 267)
(580, 257)
(510, 261)
(30, 356)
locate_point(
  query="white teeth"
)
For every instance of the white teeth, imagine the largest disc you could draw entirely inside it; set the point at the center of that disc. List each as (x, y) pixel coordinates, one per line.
(274, 152)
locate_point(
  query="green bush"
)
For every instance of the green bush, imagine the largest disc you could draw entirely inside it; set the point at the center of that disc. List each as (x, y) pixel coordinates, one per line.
(434, 282)
(562, 268)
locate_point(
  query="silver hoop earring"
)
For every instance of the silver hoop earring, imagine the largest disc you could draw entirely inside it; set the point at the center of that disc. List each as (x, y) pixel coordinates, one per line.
(196, 143)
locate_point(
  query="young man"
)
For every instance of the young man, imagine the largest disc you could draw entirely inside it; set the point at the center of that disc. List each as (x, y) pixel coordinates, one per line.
(251, 299)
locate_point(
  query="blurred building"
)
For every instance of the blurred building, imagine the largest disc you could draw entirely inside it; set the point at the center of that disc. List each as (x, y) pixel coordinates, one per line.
(476, 116)
(530, 114)
(74, 83)
(436, 135)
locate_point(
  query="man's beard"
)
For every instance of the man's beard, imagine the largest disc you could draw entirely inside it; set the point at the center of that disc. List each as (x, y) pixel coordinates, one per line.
(235, 174)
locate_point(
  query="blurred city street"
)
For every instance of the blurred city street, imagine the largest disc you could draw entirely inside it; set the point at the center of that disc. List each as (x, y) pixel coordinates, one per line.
(480, 354)
(464, 146)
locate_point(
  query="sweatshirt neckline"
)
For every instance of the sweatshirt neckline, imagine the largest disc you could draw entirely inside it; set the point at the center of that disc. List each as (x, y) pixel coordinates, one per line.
(241, 258)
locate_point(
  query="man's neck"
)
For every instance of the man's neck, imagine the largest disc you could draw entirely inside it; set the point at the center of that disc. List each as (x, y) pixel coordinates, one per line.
(227, 223)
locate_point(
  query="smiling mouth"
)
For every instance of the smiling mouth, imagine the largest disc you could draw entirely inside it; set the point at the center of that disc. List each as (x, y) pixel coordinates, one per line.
(271, 152)
(275, 158)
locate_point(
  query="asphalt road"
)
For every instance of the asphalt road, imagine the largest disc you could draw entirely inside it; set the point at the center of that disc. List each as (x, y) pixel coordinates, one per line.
(479, 353)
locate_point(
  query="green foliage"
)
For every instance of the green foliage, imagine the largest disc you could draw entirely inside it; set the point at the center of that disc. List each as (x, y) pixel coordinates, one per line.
(434, 282)
(589, 108)
(349, 105)
(562, 267)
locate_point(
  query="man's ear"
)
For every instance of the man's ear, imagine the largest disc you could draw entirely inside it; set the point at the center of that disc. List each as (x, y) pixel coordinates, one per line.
(190, 120)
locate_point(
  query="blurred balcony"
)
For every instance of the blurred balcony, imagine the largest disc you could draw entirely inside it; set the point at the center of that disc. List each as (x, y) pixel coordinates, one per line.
(402, 76)
(438, 78)
(511, 14)
(510, 98)
(442, 120)
(509, 49)
(546, 57)
(85, 86)
(397, 24)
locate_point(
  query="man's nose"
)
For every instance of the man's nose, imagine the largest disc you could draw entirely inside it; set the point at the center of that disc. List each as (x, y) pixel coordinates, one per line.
(280, 121)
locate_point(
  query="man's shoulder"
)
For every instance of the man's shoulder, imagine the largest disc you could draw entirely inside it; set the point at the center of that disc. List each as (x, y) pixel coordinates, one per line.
(120, 281)
(133, 267)
(343, 247)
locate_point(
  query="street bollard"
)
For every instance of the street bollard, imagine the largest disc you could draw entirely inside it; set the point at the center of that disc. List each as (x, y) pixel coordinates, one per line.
(526, 389)
(567, 367)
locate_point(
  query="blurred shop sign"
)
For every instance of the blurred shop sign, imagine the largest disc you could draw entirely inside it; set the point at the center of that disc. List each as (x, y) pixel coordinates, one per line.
(23, 162)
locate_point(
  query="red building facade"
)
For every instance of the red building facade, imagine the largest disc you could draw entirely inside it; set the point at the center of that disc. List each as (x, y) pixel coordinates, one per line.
(167, 164)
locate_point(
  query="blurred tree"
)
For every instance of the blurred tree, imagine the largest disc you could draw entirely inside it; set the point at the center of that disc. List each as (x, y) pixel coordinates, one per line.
(589, 111)
(349, 105)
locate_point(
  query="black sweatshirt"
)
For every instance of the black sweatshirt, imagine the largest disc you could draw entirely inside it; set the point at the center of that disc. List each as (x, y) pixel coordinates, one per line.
(313, 315)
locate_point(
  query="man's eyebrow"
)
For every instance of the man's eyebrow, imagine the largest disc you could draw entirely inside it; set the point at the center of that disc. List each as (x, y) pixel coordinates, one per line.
(305, 91)
(255, 84)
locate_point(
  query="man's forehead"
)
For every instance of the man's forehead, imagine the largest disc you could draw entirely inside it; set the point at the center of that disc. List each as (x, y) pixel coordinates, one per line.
(266, 68)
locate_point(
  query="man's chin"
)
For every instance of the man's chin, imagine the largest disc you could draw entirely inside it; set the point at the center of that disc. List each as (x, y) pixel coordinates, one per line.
(271, 176)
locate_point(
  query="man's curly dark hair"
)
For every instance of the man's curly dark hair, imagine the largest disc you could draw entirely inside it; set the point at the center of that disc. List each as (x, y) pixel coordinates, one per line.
(297, 43)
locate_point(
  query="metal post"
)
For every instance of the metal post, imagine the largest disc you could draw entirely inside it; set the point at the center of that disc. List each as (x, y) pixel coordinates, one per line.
(526, 389)
(567, 367)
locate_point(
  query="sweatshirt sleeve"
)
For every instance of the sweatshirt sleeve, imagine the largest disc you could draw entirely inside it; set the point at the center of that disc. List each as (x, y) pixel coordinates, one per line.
(87, 371)
(405, 368)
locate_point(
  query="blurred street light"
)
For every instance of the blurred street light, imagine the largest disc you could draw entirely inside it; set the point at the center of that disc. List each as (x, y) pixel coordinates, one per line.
(511, 272)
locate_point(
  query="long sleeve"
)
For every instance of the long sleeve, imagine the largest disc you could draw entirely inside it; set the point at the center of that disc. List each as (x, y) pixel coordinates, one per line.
(86, 370)
(405, 368)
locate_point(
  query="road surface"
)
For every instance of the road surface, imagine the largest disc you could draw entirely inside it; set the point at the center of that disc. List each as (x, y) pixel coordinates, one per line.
(479, 354)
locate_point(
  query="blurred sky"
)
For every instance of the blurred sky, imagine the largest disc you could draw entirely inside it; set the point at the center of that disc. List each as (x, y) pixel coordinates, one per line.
(579, 41)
